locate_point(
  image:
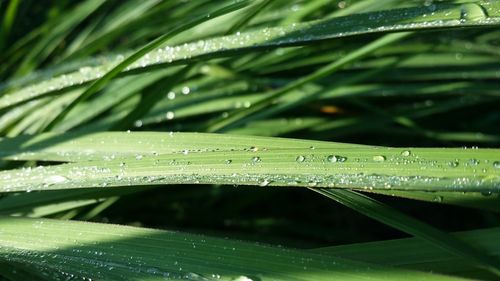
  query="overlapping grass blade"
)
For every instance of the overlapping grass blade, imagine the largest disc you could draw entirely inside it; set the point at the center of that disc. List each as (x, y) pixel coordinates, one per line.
(403, 222)
(443, 16)
(112, 252)
(127, 159)
(414, 253)
(115, 70)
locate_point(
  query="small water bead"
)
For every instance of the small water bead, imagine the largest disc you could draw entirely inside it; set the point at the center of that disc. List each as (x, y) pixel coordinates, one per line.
(438, 199)
(228, 161)
(486, 193)
(406, 153)
(336, 158)
(138, 123)
(185, 90)
(170, 115)
(57, 179)
(265, 182)
(300, 158)
(254, 149)
(379, 158)
(243, 278)
(185, 152)
(453, 164)
(256, 159)
(473, 162)
(138, 157)
(496, 164)
(122, 164)
(171, 95)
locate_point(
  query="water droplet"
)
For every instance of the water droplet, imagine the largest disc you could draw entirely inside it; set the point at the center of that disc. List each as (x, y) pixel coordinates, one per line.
(254, 149)
(138, 157)
(229, 161)
(185, 152)
(405, 153)
(56, 179)
(122, 164)
(486, 193)
(256, 159)
(496, 164)
(300, 158)
(138, 123)
(473, 162)
(171, 95)
(242, 278)
(265, 182)
(170, 115)
(185, 90)
(438, 199)
(454, 164)
(336, 158)
(379, 158)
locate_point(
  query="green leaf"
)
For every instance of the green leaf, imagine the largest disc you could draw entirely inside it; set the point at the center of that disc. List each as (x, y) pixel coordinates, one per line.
(405, 223)
(112, 252)
(123, 159)
(437, 16)
(416, 254)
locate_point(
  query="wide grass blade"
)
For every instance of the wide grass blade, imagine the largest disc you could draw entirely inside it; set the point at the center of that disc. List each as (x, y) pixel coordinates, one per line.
(112, 252)
(173, 158)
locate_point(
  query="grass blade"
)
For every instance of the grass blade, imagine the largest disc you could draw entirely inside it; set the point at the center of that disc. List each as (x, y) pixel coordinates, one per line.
(444, 16)
(225, 159)
(112, 252)
(396, 219)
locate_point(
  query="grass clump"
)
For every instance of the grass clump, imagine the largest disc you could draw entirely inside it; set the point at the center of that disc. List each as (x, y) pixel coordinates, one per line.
(124, 120)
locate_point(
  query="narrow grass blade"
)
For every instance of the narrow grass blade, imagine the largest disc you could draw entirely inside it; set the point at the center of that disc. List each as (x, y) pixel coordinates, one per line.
(246, 114)
(413, 253)
(405, 223)
(439, 16)
(99, 84)
(486, 201)
(8, 20)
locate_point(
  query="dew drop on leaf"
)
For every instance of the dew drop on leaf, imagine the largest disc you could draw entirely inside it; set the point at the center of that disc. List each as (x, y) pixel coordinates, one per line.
(473, 162)
(56, 179)
(496, 164)
(265, 182)
(379, 158)
(256, 159)
(171, 95)
(336, 158)
(170, 115)
(405, 153)
(300, 158)
(438, 199)
(185, 90)
(486, 193)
